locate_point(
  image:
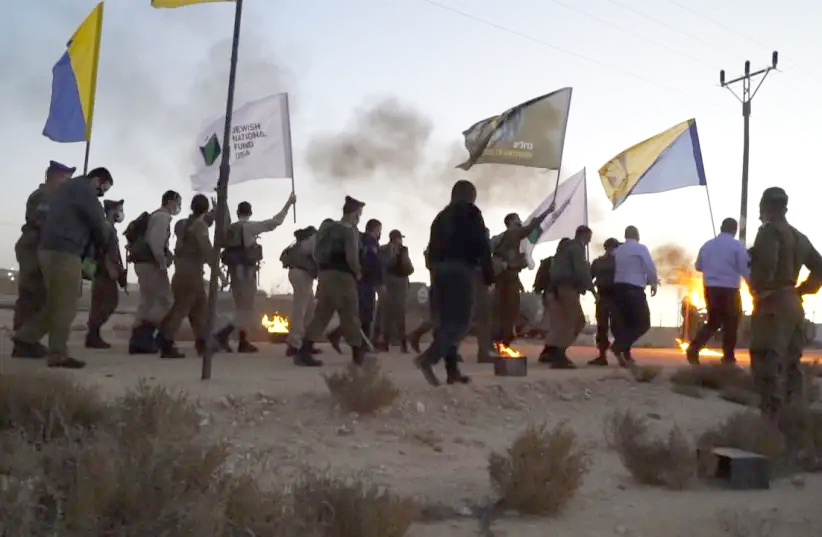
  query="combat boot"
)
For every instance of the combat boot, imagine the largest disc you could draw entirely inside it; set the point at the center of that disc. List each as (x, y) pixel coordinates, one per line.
(452, 370)
(424, 364)
(334, 338)
(142, 340)
(546, 356)
(23, 349)
(222, 338)
(305, 356)
(561, 361)
(602, 359)
(168, 350)
(358, 354)
(245, 346)
(414, 340)
(94, 341)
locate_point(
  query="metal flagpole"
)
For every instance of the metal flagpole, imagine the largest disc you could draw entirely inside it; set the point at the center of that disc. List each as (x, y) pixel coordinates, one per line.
(585, 186)
(85, 160)
(222, 193)
(289, 151)
(710, 209)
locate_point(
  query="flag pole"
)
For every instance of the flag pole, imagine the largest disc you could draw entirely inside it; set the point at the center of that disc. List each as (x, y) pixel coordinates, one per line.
(585, 187)
(710, 209)
(222, 194)
(93, 97)
(289, 154)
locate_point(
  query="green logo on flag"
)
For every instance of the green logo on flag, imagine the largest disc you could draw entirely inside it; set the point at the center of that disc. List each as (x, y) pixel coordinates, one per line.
(211, 150)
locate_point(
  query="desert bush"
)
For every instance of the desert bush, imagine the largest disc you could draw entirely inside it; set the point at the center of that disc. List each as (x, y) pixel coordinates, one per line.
(739, 395)
(47, 405)
(802, 427)
(668, 462)
(541, 471)
(333, 506)
(646, 373)
(154, 411)
(362, 389)
(748, 431)
(713, 377)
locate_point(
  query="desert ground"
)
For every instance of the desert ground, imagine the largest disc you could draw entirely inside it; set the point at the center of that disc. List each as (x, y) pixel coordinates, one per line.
(433, 444)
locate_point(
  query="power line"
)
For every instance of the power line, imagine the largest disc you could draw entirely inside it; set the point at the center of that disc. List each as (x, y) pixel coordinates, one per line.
(671, 27)
(633, 34)
(566, 51)
(721, 25)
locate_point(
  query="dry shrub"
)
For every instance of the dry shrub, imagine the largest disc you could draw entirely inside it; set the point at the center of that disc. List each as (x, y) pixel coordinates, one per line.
(541, 471)
(748, 431)
(689, 390)
(333, 506)
(646, 373)
(362, 389)
(713, 377)
(802, 427)
(668, 462)
(47, 405)
(739, 395)
(154, 411)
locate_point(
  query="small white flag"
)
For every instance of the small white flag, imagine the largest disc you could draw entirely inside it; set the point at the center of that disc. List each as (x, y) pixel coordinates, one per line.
(260, 145)
(571, 211)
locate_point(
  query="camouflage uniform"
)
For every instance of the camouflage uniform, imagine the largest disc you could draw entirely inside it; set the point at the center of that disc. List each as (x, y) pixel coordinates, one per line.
(777, 338)
(31, 289)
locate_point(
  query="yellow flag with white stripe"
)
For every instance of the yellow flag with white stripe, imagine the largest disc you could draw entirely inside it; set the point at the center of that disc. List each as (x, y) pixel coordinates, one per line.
(182, 3)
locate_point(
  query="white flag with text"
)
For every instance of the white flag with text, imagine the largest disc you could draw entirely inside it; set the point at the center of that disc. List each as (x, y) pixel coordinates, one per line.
(260, 145)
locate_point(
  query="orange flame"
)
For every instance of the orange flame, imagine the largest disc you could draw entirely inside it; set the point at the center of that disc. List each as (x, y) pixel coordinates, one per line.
(695, 292)
(506, 351)
(277, 324)
(683, 346)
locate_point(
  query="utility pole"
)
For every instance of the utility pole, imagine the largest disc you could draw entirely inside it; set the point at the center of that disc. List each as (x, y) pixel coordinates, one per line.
(747, 96)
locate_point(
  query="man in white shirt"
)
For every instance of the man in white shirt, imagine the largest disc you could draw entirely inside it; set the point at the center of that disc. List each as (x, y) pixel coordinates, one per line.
(723, 262)
(634, 270)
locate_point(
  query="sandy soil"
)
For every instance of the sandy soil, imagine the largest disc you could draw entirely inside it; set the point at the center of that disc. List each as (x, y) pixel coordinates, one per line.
(434, 443)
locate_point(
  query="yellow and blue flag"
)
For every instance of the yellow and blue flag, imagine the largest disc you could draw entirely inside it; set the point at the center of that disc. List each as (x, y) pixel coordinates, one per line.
(74, 84)
(668, 161)
(182, 3)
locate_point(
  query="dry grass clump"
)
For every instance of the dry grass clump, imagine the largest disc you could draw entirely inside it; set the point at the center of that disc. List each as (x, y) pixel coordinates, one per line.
(363, 389)
(689, 390)
(667, 462)
(139, 466)
(802, 427)
(350, 507)
(541, 471)
(748, 431)
(739, 395)
(713, 377)
(47, 405)
(646, 373)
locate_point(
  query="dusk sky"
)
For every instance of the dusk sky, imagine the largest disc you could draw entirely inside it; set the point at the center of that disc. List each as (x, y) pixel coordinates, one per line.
(637, 68)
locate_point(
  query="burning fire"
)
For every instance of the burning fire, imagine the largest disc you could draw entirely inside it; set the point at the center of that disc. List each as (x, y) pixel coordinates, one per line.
(506, 351)
(695, 293)
(277, 324)
(683, 346)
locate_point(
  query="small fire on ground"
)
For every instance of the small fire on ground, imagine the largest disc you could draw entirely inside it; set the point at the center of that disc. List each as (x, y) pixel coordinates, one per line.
(507, 352)
(683, 346)
(276, 324)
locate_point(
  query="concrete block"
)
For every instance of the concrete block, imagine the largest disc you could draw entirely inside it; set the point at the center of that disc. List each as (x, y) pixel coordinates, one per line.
(738, 469)
(511, 367)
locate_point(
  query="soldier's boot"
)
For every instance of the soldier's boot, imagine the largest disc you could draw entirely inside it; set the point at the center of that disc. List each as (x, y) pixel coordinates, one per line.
(452, 370)
(414, 340)
(545, 355)
(168, 350)
(23, 349)
(334, 338)
(560, 360)
(692, 354)
(65, 361)
(305, 357)
(94, 341)
(245, 346)
(602, 359)
(200, 347)
(424, 364)
(142, 340)
(222, 338)
(358, 354)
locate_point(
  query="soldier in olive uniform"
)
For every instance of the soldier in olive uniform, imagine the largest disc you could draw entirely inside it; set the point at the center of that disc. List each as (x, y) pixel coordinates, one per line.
(777, 340)
(338, 256)
(192, 251)
(110, 273)
(31, 289)
(397, 268)
(242, 256)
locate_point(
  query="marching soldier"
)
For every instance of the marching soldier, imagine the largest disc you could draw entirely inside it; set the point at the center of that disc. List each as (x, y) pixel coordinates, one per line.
(242, 256)
(148, 249)
(509, 261)
(75, 221)
(602, 270)
(338, 256)
(302, 271)
(397, 268)
(109, 277)
(777, 340)
(192, 251)
(31, 289)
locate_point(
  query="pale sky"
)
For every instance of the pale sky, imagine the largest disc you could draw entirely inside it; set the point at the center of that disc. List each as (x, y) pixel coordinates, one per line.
(637, 68)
